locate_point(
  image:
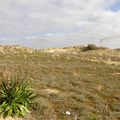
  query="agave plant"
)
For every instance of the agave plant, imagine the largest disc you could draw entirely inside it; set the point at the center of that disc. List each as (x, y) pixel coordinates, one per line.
(15, 98)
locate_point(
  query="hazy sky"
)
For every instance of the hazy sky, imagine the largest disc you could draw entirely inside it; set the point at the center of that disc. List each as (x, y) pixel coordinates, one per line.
(57, 23)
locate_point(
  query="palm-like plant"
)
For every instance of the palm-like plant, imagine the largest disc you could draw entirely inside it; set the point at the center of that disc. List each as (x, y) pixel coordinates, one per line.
(15, 98)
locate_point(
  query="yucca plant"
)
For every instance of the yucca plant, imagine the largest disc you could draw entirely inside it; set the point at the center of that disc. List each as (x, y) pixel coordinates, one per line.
(15, 98)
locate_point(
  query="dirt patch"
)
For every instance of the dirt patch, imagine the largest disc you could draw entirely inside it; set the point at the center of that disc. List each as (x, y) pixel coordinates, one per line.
(116, 74)
(57, 50)
(112, 63)
(52, 90)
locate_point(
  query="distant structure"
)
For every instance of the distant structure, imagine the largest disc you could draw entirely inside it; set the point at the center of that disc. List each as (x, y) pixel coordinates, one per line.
(105, 38)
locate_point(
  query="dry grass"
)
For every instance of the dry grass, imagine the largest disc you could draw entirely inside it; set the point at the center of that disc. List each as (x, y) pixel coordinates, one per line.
(10, 118)
(81, 82)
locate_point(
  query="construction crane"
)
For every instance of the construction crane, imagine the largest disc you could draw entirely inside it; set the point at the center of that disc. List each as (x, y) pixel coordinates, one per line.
(105, 38)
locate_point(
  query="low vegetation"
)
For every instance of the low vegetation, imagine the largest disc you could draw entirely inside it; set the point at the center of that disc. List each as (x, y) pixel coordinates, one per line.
(90, 47)
(15, 98)
(85, 84)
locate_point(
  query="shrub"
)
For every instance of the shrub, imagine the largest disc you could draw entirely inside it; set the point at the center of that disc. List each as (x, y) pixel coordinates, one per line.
(90, 47)
(15, 98)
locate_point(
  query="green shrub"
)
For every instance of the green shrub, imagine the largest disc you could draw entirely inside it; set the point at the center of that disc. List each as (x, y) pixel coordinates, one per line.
(90, 47)
(15, 98)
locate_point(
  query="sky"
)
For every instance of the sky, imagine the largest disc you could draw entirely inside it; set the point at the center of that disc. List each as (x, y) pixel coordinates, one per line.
(59, 23)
